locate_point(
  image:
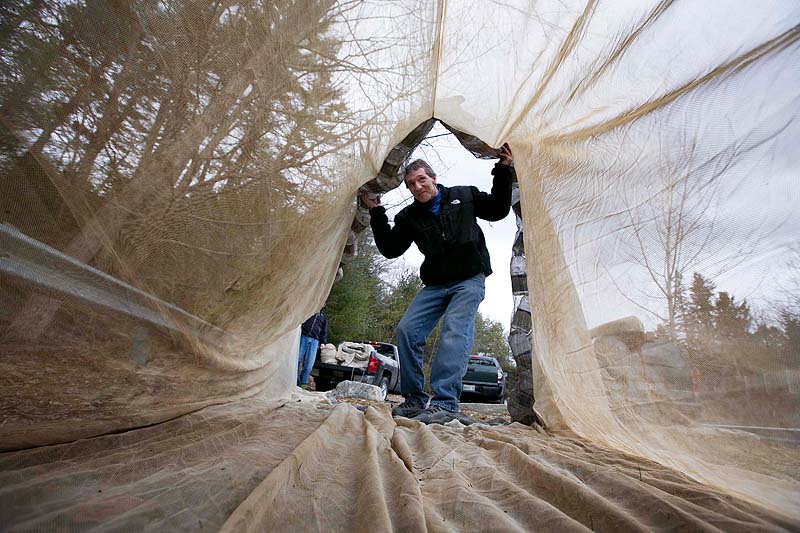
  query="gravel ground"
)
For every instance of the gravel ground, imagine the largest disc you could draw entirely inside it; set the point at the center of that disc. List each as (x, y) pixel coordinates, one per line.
(493, 413)
(485, 412)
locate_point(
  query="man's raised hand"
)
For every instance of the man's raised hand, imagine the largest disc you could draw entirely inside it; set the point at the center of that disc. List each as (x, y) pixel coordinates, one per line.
(506, 158)
(368, 202)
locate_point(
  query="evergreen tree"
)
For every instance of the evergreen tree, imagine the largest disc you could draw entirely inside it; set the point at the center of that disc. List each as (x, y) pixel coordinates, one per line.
(490, 339)
(788, 311)
(731, 320)
(396, 302)
(789, 319)
(723, 336)
(767, 335)
(699, 313)
(680, 311)
(356, 300)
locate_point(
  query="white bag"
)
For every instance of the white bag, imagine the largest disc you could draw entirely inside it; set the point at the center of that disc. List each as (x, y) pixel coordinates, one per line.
(328, 354)
(354, 354)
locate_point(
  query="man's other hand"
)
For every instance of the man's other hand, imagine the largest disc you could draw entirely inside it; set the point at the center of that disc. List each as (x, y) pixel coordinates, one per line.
(368, 202)
(506, 158)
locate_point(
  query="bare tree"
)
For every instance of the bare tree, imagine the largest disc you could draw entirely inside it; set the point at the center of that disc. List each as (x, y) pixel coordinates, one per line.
(676, 230)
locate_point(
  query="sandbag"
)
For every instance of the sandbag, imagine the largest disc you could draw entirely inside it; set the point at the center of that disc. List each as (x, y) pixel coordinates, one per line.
(328, 353)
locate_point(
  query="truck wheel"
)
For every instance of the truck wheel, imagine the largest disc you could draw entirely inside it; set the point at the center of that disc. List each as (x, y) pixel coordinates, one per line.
(384, 388)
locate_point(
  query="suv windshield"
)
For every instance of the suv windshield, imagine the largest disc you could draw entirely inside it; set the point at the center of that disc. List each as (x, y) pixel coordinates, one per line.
(481, 362)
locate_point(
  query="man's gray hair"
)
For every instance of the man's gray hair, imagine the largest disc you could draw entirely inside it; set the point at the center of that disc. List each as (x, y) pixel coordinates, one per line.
(416, 165)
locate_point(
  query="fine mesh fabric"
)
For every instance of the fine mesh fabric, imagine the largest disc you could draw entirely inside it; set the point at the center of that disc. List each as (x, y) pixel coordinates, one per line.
(177, 190)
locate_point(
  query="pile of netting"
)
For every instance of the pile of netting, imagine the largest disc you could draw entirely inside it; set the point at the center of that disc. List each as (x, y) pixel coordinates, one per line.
(178, 185)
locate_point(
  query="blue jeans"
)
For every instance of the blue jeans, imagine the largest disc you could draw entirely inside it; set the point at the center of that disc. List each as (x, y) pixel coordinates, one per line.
(458, 302)
(305, 360)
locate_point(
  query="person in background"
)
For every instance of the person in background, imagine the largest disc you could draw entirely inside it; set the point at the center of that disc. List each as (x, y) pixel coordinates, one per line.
(313, 333)
(442, 221)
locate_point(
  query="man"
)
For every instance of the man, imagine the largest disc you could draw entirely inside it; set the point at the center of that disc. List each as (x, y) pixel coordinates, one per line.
(313, 333)
(442, 221)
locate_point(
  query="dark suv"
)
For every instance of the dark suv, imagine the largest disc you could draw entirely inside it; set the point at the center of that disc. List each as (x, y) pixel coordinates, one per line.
(484, 381)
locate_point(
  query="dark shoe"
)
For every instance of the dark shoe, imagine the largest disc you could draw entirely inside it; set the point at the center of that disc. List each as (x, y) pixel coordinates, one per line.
(435, 414)
(409, 408)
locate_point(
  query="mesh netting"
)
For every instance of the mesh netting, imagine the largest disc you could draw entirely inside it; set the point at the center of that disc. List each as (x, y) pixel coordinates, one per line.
(178, 184)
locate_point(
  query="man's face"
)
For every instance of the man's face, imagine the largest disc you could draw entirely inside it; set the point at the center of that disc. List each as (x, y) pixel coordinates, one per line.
(422, 186)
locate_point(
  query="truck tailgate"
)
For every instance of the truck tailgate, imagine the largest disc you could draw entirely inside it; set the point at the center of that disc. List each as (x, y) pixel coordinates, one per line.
(337, 371)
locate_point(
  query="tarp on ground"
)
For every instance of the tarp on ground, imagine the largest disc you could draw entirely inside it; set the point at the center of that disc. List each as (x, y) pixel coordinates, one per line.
(300, 464)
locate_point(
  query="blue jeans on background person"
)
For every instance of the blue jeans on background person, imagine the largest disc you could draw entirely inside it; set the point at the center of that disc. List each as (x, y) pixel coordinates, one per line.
(306, 358)
(458, 302)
